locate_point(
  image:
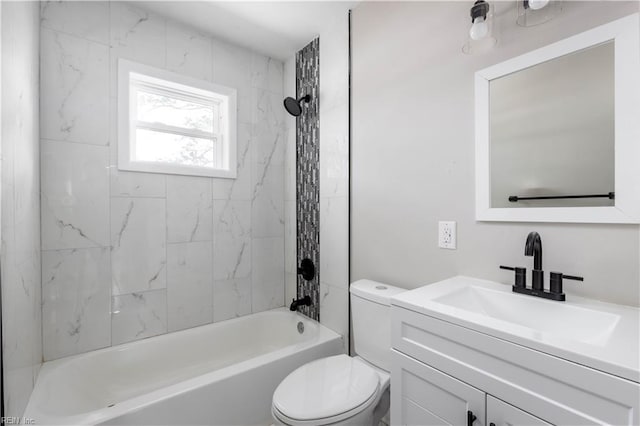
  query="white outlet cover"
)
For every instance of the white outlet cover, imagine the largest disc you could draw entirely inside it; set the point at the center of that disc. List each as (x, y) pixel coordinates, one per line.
(447, 235)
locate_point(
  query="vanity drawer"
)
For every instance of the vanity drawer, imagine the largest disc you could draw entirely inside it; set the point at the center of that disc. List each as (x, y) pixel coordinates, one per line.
(557, 390)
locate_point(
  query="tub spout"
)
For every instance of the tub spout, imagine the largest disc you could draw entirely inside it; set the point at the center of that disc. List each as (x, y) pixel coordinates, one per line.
(305, 301)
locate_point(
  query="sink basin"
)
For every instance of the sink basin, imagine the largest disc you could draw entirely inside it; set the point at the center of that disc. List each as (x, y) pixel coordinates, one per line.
(540, 316)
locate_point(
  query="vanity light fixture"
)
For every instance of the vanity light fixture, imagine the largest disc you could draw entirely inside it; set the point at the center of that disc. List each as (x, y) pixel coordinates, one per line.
(480, 37)
(535, 12)
(537, 4)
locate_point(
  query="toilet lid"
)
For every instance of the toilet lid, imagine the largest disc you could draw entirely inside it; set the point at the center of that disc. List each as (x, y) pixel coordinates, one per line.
(325, 388)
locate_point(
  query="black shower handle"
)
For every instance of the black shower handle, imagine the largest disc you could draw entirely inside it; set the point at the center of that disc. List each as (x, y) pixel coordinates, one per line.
(307, 269)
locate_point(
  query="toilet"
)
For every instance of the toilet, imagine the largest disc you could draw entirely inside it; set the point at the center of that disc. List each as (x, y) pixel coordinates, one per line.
(342, 389)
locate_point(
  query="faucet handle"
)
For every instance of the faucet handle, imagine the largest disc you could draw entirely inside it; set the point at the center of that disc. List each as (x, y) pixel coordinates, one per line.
(555, 283)
(521, 275)
(573, 277)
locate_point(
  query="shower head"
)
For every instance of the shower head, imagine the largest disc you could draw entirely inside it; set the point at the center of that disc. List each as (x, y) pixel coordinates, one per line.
(293, 106)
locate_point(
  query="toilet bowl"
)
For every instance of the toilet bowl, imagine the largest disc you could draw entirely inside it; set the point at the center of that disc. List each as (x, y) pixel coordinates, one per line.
(333, 390)
(341, 389)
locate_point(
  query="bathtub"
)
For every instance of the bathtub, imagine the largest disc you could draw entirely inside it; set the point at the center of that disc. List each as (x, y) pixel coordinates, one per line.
(223, 373)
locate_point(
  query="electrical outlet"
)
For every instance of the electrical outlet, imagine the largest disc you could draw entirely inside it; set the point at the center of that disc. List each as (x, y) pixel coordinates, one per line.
(447, 235)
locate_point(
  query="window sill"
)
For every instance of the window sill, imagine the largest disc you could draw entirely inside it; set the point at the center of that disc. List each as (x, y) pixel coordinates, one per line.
(175, 169)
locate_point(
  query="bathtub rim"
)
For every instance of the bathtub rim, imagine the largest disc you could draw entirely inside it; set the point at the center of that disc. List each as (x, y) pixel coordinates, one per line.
(139, 402)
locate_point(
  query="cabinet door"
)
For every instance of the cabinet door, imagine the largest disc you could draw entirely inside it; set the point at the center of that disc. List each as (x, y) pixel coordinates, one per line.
(500, 413)
(421, 395)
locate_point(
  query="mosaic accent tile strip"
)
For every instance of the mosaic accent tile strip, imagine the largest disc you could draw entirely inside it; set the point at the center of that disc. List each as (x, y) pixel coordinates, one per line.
(308, 172)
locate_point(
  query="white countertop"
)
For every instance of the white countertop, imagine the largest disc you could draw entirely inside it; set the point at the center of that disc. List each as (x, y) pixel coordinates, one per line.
(617, 353)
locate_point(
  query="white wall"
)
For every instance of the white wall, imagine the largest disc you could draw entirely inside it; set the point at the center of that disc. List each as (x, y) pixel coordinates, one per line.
(334, 178)
(20, 228)
(413, 154)
(131, 255)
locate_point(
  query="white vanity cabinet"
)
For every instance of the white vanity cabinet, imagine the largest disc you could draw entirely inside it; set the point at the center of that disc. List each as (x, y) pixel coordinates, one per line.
(442, 371)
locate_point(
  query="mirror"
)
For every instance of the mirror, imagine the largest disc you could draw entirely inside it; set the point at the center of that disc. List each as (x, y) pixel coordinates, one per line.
(555, 140)
(552, 134)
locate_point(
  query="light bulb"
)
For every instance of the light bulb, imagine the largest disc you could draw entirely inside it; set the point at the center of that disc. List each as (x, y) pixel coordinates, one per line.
(538, 4)
(479, 29)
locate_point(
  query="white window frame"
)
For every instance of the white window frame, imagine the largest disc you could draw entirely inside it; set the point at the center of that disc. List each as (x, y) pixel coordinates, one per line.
(162, 81)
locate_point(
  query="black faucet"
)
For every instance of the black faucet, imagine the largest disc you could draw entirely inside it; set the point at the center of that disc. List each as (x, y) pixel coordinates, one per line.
(305, 301)
(533, 247)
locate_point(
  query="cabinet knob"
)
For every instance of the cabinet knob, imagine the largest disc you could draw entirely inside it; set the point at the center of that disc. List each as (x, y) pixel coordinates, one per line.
(470, 418)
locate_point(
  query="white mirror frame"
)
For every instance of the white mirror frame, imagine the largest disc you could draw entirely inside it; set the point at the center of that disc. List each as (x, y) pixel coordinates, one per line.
(625, 33)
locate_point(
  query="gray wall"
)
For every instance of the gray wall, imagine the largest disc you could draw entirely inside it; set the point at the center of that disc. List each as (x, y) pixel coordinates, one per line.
(413, 154)
(20, 230)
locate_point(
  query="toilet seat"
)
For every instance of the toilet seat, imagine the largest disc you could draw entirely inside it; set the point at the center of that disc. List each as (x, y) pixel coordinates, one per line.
(326, 391)
(325, 420)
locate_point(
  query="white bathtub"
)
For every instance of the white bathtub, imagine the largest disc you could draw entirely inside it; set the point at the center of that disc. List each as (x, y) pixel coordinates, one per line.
(219, 374)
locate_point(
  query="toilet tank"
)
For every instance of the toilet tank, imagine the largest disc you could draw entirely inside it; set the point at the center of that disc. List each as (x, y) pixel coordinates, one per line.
(371, 319)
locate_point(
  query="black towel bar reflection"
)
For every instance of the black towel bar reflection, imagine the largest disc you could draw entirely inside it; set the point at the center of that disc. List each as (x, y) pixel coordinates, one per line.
(516, 198)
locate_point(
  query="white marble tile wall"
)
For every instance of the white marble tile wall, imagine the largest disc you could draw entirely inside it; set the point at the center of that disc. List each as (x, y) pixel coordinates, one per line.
(290, 158)
(75, 193)
(138, 244)
(267, 279)
(20, 222)
(189, 284)
(138, 315)
(131, 255)
(75, 86)
(189, 209)
(76, 293)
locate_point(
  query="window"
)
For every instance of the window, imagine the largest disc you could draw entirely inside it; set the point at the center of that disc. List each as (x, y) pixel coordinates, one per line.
(168, 123)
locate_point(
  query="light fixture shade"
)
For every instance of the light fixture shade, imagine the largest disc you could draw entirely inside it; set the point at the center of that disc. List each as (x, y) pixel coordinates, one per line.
(535, 12)
(480, 31)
